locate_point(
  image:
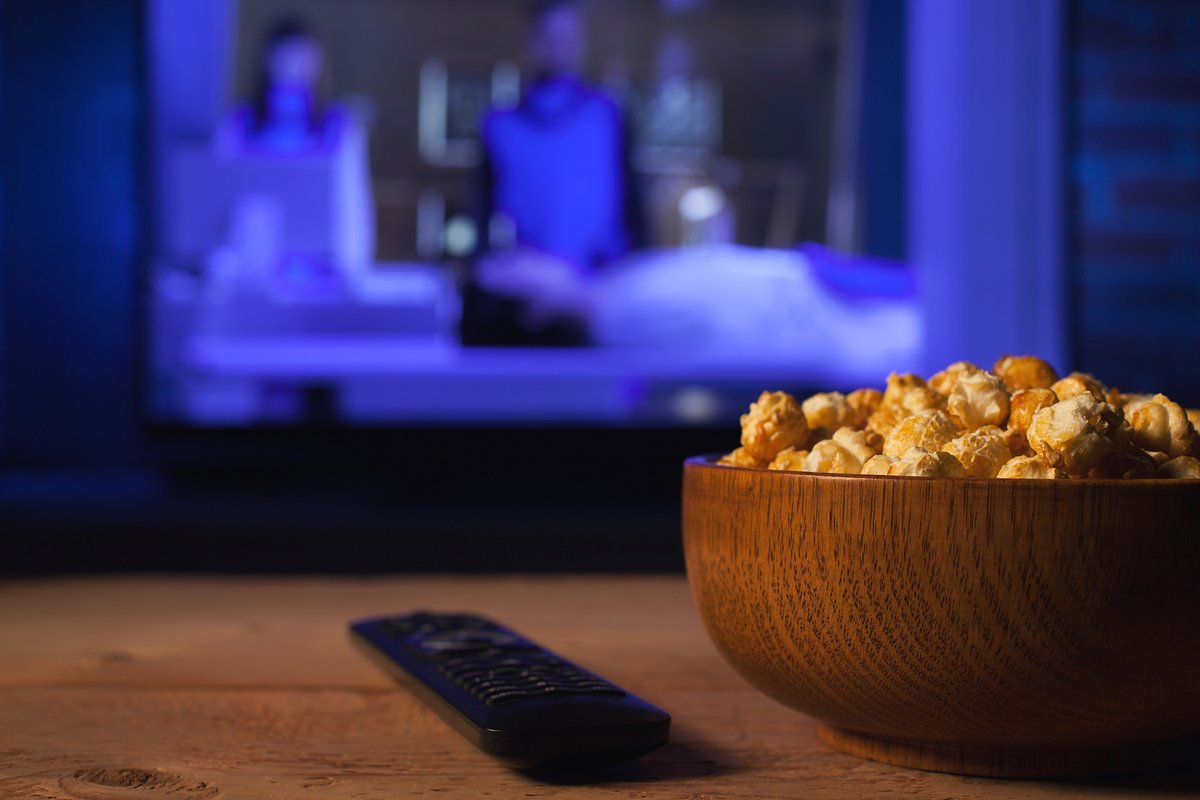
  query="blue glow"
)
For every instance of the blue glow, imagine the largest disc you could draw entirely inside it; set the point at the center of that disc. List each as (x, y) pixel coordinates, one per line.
(559, 173)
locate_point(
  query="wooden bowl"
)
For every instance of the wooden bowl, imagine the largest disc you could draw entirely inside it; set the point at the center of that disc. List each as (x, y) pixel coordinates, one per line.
(1012, 628)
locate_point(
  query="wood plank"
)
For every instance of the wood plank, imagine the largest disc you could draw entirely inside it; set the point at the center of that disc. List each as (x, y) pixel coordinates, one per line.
(145, 688)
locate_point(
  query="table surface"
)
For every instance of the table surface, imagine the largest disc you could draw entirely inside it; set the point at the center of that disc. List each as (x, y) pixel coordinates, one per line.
(193, 688)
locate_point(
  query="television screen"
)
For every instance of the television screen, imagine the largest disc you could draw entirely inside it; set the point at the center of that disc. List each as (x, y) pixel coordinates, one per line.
(481, 212)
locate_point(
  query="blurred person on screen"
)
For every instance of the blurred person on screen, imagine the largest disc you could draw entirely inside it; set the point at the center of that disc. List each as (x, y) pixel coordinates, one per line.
(289, 114)
(558, 197)
(289, 111)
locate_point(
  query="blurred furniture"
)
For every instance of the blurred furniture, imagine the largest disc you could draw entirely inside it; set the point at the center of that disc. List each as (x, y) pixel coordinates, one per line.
(675, 344)
(196, 688)
(259, 209)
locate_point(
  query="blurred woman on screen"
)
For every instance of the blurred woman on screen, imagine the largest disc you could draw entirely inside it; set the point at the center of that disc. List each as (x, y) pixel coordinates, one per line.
(289, 115)
(289, 110)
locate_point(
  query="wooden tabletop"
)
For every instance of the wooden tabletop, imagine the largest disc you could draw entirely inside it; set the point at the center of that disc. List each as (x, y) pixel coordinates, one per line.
(249, 688)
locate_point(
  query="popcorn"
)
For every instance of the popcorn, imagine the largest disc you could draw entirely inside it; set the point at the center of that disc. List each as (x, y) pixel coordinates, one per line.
(833, 456)
(829, 410)
(1127, 464)
(1185, 467)
(1024, 372)
(904, 396)
(1162, 426)
(1076, 434)
(982, 452)
(979, 399)
(1017, 442)
(921, 463)
(1078, 383)
(845, 452)
(774, 422)
(857, 442)
(879, 465)
(875, 441)
(954, 426)
(899, 384)
(740, 458)
(927, 429)
(943, 382)
(1030, 467)
(1023, 405)
(865, 402)
(790, 459)
(1130, 403)
(919, 399)
(882, 422)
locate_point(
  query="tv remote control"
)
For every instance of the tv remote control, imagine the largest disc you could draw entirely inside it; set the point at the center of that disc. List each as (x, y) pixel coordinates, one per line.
(510, 697)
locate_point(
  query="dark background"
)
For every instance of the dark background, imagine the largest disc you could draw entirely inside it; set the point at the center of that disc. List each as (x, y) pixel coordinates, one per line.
(1134, 225)
(87, 484)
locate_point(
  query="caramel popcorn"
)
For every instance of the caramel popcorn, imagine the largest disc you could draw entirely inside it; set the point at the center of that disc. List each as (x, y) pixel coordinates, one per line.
(978, 399)
(1078, 383)
(1030, 467)
(1076, 434)
(1130, 403)
(904, 396)
(918, 399)
(828, 410)
(790, 459)
(943, 382)
(1162, 426)
(881, 423)
(740, 458)
(921, 463)
(954, 426)
(861, 444)
(1125, 463)
(774, 422)
(1017, 442)
(982, 452)
(898, 385)
(1181, 467)
(1025, 404)
(1025, 372)
(879, 465)
(927, 429)
(865, 402)
(828, 455)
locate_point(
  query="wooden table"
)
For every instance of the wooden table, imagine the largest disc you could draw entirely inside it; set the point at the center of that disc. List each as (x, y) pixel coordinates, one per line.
(249, 688)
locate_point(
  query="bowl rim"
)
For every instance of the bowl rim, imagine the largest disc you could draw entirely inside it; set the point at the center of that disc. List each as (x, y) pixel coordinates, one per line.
(709, 461)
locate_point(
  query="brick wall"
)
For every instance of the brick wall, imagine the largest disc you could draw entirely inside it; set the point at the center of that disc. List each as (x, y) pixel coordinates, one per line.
(1134, 224)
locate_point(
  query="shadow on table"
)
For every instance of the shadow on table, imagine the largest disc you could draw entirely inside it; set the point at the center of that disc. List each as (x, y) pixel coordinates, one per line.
(1172, 767)
(672, 761)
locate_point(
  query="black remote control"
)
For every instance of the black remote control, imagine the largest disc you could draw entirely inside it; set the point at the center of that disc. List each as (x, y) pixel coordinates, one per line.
(508, 696)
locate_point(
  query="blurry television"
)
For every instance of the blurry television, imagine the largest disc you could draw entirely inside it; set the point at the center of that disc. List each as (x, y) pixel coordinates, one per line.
(351, 195)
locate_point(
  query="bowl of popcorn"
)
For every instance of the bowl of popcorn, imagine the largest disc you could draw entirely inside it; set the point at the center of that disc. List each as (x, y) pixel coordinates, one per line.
(986, 572)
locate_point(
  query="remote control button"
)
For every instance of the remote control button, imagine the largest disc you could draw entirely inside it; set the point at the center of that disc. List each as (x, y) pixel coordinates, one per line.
(508, 670)
(464, 640)
(399, 628)
(507, 697)
(425, 623)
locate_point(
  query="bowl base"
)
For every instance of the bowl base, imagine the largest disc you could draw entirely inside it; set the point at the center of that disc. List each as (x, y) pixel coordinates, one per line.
(982, 761)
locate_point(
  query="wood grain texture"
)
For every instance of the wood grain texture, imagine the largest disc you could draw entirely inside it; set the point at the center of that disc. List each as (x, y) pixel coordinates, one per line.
(248, 688)
(1024, 628)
